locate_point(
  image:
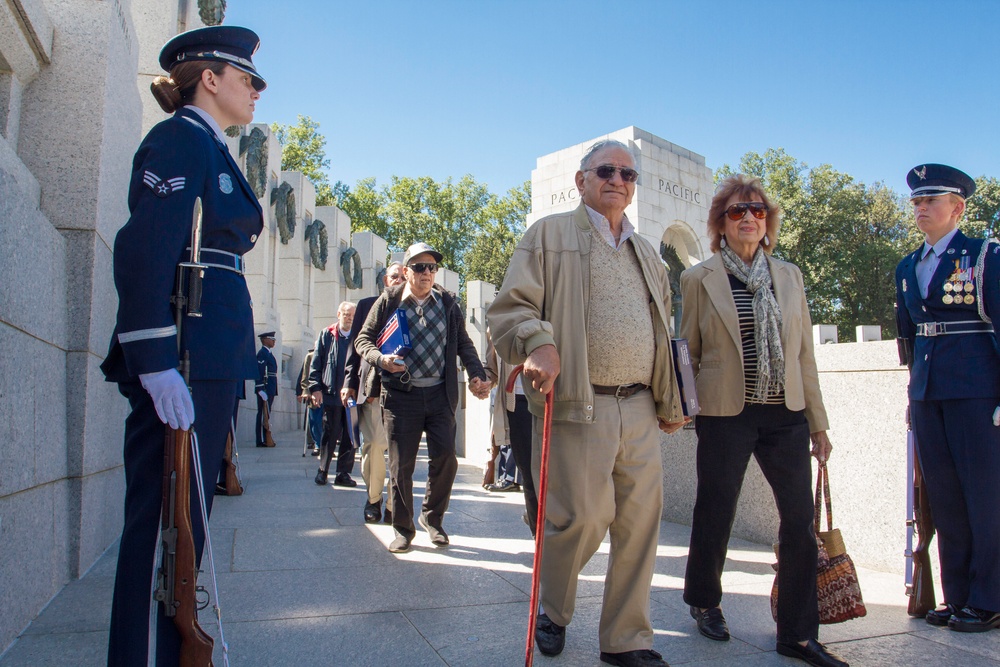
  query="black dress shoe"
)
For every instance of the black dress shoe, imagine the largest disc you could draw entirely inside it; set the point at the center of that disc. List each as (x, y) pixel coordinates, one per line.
(643, 658)
(711, 623)
(373, 512)
(343, 479)
(971, 619)
(315, 451)
(813, 653)
(320, 477)
(549, 637)
(941, 615)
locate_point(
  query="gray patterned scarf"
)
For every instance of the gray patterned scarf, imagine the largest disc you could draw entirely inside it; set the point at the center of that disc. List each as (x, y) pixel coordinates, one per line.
(766, 320)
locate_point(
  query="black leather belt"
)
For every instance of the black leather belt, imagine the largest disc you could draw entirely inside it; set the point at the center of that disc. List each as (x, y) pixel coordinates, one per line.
(621, 390)
(931, 329)
(221, 259)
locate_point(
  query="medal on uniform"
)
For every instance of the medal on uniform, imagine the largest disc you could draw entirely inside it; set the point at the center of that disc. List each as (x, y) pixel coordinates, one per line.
(969, 287)
(948, 299)
(948, 287)
(969, 299)
(904, 284)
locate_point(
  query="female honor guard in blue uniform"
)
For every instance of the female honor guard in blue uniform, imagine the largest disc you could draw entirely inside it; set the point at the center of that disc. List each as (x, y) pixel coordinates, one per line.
(213, 84)
(947, 297)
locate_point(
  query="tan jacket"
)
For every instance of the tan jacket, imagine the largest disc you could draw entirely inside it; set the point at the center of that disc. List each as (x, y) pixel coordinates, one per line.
(545, 300)
(710, 323)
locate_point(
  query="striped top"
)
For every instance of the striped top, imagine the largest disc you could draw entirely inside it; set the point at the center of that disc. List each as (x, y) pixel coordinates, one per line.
(744, 309)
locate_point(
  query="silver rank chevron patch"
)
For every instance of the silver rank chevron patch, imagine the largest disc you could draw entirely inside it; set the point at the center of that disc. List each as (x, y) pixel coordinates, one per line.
(160, 187)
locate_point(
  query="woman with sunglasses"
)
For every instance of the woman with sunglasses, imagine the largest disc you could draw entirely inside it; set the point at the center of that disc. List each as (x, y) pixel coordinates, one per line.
(747, 324)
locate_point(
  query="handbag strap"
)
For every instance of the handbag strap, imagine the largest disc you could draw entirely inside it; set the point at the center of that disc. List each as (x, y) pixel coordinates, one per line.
(822, 496)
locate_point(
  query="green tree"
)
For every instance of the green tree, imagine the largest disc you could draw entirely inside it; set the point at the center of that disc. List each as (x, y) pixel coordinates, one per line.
(500, 228)
(845, 236)
(365, 205)
(303, 149)
(982, 212)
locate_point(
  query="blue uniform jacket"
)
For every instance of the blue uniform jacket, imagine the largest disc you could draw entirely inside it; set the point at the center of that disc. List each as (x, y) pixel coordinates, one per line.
(180, 159)
(954, 365)
(267, 372)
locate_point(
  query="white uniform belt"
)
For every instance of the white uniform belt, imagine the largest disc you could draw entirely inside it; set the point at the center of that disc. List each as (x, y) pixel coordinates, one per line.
(931, 329)
(221, 259)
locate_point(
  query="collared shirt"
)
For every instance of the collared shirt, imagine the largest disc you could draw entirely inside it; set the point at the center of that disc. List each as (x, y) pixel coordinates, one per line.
(603, 226)
(207, 117)
(929, 261)
(408, 294)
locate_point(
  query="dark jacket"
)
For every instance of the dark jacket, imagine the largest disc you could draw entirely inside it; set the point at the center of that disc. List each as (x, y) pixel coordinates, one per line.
(324, 364)
(370, 384)
(181, 159)
(952, 366)
(267, 372)
(459, 344)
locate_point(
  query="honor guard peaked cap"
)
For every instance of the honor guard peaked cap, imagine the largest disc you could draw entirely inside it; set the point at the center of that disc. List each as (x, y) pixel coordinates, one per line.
(928, 180)
(266, 334)
(232, 45)
(419, 249)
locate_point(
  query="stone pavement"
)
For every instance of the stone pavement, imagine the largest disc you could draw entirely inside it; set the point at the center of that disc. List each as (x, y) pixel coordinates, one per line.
(304, 581)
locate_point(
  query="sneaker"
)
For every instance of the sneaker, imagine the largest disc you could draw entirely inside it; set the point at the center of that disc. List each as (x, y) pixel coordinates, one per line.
(399, 545)
(439, 538)
(549, 637)
(343, 479)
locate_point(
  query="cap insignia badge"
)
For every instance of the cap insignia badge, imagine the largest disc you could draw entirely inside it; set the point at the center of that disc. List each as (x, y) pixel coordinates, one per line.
(921, 173)
(225, 183)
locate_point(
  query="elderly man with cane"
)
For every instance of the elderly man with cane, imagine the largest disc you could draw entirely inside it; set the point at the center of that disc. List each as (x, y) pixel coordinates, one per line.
(587, 272)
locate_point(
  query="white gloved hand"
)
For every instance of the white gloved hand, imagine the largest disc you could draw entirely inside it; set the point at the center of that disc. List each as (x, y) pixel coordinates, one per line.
(262, 394)
(171, 398)
(996, 416)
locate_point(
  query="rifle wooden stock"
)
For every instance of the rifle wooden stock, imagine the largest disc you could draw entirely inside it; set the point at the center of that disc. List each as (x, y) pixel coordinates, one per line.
(180, 569)
(922, 595)
(265, 424)
(234, 487)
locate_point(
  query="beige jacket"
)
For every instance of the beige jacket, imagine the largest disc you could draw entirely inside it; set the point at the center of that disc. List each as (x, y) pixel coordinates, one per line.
(545, 300)
(711, 325)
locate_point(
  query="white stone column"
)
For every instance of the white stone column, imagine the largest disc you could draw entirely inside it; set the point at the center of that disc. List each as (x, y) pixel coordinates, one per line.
(479, 296)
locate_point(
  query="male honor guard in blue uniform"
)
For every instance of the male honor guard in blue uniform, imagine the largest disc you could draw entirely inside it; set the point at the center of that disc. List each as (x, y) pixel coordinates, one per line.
(267, 381)
(948, 293)
(212, 84)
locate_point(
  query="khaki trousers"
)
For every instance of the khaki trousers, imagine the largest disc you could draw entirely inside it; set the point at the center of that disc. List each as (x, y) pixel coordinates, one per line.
(605, 476)
(373, 449)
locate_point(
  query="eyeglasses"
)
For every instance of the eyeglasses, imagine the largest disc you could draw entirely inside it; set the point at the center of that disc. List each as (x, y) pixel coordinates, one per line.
(607, 172)
(737, 211)
(421, 267)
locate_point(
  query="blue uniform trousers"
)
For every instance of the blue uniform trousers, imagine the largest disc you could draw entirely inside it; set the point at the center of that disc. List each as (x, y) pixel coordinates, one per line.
(135, 579)
(959, 450)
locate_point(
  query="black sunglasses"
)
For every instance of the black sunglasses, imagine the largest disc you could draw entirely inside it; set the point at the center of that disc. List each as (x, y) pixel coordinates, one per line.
(737, 211)
(420, 267)
(607, 172)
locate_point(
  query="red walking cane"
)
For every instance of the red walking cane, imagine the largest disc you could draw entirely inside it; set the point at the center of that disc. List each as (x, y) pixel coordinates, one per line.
(543, 483)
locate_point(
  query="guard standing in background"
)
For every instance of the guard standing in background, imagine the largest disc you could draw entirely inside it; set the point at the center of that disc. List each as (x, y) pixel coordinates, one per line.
(267, 381)
(947, 296)
(212, 85)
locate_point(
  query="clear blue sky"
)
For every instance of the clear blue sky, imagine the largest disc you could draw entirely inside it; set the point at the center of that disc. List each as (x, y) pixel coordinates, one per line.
(483, 87)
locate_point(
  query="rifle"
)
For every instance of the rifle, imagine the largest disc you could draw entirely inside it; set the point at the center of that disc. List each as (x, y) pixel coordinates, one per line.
(177, 577)
(919, 579)
(265, 424)
(234, 486)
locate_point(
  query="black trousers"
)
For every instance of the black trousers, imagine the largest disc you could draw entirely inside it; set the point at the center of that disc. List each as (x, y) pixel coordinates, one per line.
(144, 436)
(779, 439)
(335, 436)
(959, 449)
(407, 416)
(519, 423)
(260, 418)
